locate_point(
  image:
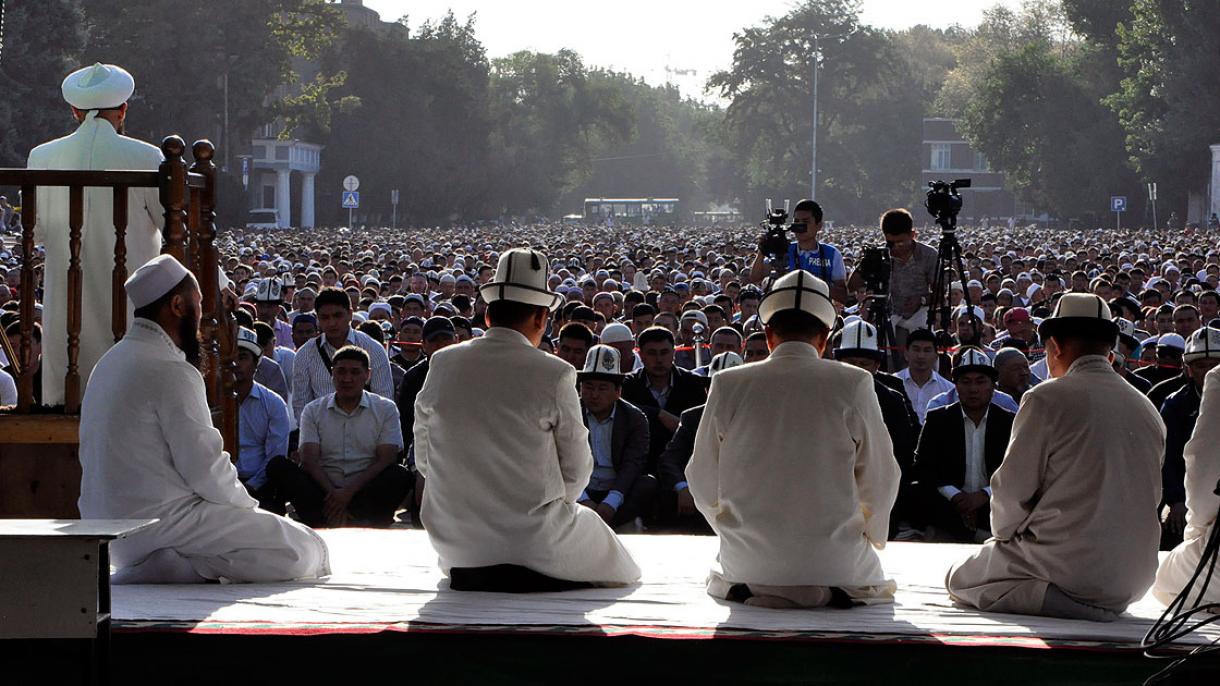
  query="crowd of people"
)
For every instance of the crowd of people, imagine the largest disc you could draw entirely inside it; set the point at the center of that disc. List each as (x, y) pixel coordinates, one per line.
(523, 392)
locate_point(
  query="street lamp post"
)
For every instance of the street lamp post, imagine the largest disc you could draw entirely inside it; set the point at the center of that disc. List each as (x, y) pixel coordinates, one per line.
(813, 170)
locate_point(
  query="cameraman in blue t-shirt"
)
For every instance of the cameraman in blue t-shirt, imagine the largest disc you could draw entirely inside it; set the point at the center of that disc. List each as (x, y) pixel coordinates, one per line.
(823, 260)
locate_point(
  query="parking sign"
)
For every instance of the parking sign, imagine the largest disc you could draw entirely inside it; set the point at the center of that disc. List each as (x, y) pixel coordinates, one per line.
(1118, 203)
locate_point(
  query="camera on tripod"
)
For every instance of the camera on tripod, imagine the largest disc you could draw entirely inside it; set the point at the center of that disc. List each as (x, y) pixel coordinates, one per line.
(944, 202)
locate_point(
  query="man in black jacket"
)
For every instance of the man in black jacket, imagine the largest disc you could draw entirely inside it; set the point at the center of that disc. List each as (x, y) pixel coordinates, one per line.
(960, 447)
(857, 345)
(661, 390)
(675, 505)
(1180, 412)
(438, 332)
(619, 488)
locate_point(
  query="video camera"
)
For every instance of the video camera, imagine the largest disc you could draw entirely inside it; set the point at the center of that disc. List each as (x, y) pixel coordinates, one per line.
(875, 270)
(944, 202)
(775, 244)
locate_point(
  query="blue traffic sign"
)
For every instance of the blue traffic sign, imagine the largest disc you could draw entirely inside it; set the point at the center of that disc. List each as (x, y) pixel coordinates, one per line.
(1118, 203)
(351, 200)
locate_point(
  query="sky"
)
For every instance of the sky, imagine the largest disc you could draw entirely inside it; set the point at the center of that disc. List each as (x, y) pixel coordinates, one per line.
(663, 41)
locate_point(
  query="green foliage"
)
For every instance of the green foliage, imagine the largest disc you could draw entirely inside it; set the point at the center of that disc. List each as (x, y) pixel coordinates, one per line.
(34, 62)
(1167, 101)
(182, 52)
(870, 101)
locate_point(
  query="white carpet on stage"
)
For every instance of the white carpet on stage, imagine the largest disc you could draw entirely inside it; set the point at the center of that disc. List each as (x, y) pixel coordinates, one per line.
(388, 580)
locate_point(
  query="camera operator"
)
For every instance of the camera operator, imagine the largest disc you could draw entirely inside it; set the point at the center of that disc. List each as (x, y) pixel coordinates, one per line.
(823, 260)
(913, 271)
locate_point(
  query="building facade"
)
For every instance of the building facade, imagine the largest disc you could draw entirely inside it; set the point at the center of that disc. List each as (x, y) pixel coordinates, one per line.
(947, 156)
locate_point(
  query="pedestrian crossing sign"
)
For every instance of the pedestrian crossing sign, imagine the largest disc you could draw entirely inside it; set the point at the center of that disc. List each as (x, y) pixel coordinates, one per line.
(351, 200)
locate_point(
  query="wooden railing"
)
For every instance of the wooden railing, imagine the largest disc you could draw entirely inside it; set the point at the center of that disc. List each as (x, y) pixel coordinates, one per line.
(188, 197)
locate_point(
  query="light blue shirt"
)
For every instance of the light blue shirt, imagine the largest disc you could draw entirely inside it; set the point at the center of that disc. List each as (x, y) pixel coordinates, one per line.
(601, 435)
(999, 398)
(262, 433)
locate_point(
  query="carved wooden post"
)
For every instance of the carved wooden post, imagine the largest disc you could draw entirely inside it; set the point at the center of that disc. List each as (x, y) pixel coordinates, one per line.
(203, 237)
(118, 294)
(29, 217)
(173, 197)
(192, 234)
(76, 220)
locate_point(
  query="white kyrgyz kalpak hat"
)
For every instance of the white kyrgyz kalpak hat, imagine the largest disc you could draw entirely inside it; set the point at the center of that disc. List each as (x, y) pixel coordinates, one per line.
(858, 339)
(601, 364)
(154, 279)
(268, 291)
(1080, 312)
(248, 340)
(99, 87)
(521, 276)
(616, 333)
(723, 361)
(798, 290)
(1203, 343)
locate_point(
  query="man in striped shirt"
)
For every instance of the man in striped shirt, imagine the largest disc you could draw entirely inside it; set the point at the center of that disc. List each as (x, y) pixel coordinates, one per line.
(311, 376)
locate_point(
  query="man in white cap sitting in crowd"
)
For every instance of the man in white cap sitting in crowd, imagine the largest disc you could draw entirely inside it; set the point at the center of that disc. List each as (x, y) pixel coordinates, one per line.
(1180, 412)
(262, 426)
(268, 303)
(800, 490)
(148, 450)
(620, 489)
(1202, 502)
(98, 97)
(500, 439)
(960, 447)
(619, 337)
(1073, 505)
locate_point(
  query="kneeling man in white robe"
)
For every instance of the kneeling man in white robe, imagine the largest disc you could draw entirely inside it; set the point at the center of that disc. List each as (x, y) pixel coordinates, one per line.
(148, 450)
(1202, 456)
(500, 438)
(1074, 503)
(793, 466)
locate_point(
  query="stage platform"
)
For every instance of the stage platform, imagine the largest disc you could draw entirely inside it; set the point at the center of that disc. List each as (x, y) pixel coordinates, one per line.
(387, 601)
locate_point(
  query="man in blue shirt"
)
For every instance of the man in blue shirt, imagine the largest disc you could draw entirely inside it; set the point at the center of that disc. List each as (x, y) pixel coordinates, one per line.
(262, 424)
(823, 260)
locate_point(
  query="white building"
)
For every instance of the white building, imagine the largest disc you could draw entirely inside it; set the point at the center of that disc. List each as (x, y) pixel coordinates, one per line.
(274, 162)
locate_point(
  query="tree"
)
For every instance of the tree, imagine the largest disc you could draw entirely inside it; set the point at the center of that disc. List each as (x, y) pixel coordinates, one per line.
(870, 112)
(182, 72)
(1165, 102)
(34, 63)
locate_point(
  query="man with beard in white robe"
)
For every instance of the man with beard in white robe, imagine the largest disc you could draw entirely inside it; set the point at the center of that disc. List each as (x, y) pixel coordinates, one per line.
(793, 466)
(499, 436)
(98, 96)
(1074, 503)
(1202, 456)
(148, 450)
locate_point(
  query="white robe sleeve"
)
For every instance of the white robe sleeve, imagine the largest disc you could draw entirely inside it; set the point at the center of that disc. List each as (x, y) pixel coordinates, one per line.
(703, 469)
(877, 472)
(423, 417)
(1015, 486)
(195, 446)
(1202, 455)
(571, 439)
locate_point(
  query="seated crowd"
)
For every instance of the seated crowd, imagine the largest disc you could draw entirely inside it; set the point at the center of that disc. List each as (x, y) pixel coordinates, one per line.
(522, 410)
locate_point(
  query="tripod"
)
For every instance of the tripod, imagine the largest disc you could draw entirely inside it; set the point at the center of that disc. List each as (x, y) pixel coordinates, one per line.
(949, 256)
(879, 313)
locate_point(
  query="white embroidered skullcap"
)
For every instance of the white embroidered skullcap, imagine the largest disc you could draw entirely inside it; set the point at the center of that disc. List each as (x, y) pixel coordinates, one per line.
(616, 333)
(154, 279)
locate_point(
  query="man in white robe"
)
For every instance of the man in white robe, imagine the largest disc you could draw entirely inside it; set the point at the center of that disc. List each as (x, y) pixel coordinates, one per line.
(1202, 455)
(793, 466)
(500, 438)
(1074, 503)
(98, 96)
(148, 450)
